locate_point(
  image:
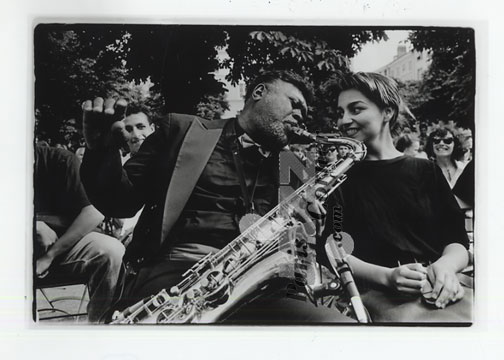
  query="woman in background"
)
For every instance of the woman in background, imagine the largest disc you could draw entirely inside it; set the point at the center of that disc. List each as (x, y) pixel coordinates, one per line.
(445, 149)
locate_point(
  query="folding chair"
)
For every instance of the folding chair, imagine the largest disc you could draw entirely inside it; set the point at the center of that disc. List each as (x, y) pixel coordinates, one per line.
(61, 306)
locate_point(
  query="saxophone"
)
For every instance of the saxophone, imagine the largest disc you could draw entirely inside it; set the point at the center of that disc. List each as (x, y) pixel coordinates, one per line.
(268, 251)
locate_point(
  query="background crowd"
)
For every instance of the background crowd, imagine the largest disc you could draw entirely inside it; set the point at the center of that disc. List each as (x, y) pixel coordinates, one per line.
(449, 146)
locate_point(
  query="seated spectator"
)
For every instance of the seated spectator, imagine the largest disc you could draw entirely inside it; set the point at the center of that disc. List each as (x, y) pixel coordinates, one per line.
(65, 239)
(137, 127)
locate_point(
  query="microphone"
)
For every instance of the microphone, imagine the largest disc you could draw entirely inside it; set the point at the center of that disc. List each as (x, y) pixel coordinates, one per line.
(336, 255)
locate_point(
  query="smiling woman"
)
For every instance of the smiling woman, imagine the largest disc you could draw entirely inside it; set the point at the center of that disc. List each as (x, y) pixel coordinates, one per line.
(445, 148)
(409, 235)
(368, 108)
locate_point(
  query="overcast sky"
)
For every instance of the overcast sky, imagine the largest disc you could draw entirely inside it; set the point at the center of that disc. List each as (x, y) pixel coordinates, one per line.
(375, 55)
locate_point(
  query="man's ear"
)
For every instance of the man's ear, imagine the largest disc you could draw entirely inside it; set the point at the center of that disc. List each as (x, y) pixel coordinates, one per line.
(258, 91)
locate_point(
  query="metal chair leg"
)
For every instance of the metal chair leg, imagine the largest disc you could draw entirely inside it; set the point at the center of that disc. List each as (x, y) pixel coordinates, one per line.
(47, 299)
(86, 291)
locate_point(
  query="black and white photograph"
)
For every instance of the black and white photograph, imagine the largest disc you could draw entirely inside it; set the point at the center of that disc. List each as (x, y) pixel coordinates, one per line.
(260, 175)
(287, 179)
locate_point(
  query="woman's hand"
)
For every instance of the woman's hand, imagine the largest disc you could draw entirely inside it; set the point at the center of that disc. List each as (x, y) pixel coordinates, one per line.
(408, 278)
(446, 287)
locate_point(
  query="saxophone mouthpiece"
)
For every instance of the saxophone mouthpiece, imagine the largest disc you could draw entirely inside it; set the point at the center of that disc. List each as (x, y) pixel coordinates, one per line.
(302, 136)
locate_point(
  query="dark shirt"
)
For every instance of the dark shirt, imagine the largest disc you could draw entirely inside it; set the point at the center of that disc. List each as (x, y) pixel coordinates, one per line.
(464, 187)
(59, 193)
(212, 213)
(400, 210)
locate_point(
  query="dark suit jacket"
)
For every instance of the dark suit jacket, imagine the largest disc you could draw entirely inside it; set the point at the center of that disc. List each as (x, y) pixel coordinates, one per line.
(162, 175)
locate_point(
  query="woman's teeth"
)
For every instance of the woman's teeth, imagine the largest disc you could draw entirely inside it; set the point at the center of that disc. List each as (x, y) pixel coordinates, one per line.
(351, 132)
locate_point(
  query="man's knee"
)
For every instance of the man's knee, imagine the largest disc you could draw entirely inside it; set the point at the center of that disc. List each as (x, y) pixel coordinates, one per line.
(106, 248)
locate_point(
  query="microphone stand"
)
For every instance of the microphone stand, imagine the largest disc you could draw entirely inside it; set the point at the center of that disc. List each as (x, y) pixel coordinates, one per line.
(336, 255)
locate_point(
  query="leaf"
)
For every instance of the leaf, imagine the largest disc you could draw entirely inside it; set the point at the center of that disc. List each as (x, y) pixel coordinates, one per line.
(284, 50)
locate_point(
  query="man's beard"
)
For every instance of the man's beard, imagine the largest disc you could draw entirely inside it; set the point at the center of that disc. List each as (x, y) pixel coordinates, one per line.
(270, 134)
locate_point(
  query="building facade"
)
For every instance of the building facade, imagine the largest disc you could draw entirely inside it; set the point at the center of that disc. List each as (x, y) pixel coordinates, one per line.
(407, 65)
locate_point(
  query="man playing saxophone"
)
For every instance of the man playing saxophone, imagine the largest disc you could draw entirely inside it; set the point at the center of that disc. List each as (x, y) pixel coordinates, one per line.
(198, 180)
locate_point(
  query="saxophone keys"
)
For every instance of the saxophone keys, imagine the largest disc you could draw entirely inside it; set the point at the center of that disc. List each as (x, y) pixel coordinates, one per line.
(174, 291)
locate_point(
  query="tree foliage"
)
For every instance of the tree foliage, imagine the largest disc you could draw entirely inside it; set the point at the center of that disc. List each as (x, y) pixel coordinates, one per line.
(212, 107)
(80, 61)
(314, 52)
(449, 84)
(72, 65)
(413, 102)
(181, 59)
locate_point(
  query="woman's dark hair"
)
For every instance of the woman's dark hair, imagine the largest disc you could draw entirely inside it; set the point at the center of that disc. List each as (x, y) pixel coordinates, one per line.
(458, 151)
(404, 141)
(378, 88)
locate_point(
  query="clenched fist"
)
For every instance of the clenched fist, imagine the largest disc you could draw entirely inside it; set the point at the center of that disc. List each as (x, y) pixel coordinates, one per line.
(102, 123)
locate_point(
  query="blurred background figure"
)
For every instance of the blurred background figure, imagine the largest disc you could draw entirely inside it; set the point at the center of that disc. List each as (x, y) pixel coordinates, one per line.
(312, 153)
(299, 151)
(422, 137)
(343, 151)
(445, 149)
(409, 144)
(42, 143)
(80, 152)
(60, 146)
(331, 155)
(466, 141)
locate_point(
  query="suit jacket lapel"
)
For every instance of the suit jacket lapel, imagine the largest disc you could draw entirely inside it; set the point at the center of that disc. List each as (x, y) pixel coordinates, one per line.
(194, 153)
